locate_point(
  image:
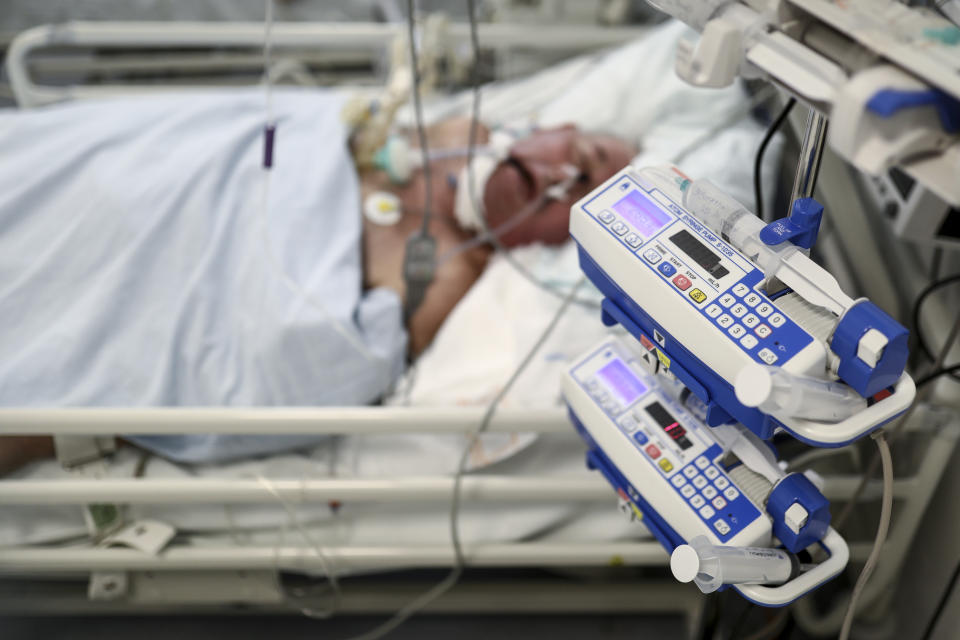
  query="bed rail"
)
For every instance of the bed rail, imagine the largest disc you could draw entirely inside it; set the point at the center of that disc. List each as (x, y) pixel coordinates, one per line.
(323, 36)
(346, 559)
(260, 420)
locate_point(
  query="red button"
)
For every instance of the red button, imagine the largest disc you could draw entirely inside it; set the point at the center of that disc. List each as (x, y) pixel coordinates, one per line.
(652, 451)
(682, 282)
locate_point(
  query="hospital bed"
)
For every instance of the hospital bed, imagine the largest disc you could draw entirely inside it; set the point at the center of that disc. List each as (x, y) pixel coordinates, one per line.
(532, 504)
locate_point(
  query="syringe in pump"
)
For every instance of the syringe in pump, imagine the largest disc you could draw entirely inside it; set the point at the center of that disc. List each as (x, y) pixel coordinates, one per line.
(778, 249)
(711, 566)
(711, 291)
(783, 261)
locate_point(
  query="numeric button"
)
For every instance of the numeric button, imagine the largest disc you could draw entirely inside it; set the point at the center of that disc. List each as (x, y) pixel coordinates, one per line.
(752, 300)
(737, 331)
(697, 501)
(699, 482)
(767, 356)
(678, 480)
(738, 310)
(764, 310)
(776, 320)
(721, 483)
(727, 299)
(721, 526)
(709, 493)
(725, 321)
(741, 289)
(731, 493)
(687, 490)
(713, 311)
(750, 320)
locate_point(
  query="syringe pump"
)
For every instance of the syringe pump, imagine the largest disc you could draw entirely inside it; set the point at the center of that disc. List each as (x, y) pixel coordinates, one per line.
(738, 334)
(735, 309)
(715, 497)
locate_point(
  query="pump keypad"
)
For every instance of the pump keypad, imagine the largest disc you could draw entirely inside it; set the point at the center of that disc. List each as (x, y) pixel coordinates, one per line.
(713, 498)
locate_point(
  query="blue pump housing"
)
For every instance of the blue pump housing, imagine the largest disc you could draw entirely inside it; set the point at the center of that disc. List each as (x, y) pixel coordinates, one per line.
(797, 488)
(858, 320)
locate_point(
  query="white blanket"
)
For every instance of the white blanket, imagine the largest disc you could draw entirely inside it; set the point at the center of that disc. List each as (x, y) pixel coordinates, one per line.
(631, 91)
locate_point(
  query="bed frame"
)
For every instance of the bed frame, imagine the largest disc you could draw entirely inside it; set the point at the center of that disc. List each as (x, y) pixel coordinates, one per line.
(622, 577)
(223, 52)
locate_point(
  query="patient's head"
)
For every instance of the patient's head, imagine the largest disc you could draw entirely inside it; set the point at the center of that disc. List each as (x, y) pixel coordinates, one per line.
(533, 164)
(538, 161)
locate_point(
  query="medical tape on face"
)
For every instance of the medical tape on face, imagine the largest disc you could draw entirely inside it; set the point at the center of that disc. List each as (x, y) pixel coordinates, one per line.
(468, 200)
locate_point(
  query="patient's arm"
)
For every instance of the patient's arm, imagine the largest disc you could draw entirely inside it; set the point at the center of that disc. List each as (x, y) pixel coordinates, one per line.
(383, 267)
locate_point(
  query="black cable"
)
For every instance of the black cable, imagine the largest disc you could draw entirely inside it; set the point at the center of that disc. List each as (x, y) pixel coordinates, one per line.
(758, 161)
(471, 185)
(741, 621)
(935, 263)
(419, 258)
(921, 339)
(418, 113)
(943, 602)
(933, 375)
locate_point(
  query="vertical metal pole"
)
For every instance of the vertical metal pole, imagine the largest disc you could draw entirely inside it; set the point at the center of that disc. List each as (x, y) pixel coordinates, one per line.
(810, 153)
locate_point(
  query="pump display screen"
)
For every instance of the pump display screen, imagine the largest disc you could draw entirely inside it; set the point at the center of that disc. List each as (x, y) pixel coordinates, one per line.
(644, 216)
(621, 381)
(700, 254)
(669, 424)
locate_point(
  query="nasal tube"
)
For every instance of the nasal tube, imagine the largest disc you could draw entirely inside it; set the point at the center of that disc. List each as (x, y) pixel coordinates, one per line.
(778, 392)
(710, 566)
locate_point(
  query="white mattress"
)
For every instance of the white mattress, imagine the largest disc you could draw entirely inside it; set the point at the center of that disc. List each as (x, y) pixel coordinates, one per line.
(631, 91)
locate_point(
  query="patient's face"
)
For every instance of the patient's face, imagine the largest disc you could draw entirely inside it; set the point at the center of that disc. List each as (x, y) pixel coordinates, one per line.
(537, 162)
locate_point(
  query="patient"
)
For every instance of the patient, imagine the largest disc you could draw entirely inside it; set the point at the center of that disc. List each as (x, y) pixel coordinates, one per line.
(205, 336)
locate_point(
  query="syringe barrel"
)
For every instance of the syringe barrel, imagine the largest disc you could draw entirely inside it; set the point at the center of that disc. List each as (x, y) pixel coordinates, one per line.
(773, 390)
(711, 566)
(731, 221)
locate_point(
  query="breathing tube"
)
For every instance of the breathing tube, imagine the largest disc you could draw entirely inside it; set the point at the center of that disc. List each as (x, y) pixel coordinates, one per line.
(471, 219)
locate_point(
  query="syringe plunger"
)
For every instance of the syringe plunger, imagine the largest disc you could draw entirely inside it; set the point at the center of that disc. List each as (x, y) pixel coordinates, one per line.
(773, 390)
(711, 566)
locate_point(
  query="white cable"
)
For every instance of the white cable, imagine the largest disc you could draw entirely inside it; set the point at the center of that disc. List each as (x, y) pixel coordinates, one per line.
(459, 561)
(267, 52)
(886, 507)
(378, 363)
(325, 561)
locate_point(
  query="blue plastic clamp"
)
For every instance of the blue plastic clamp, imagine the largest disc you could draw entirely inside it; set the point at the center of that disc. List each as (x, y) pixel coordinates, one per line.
(887, 102)
(800, 227)
(855, 323)
(797, 488)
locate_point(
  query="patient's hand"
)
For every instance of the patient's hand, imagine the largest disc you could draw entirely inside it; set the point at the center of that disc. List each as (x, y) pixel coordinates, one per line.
(16, 451)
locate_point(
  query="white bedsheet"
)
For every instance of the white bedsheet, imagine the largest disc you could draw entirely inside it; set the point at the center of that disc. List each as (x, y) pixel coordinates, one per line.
(631, 91)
